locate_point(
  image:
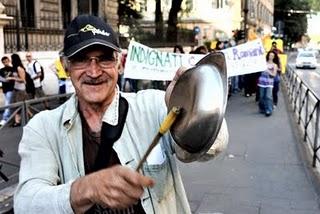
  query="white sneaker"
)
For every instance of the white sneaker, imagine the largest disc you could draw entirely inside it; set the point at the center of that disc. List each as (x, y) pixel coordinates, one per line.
(2, 122)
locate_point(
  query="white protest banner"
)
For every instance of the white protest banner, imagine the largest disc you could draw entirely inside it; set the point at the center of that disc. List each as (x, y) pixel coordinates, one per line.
(146, 63)
(245, 58)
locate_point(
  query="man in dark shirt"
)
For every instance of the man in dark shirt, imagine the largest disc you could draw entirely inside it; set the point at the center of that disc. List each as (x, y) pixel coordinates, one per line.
(7, 87)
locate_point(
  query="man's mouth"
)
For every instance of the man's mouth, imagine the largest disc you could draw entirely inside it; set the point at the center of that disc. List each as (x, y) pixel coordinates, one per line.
(94, 81)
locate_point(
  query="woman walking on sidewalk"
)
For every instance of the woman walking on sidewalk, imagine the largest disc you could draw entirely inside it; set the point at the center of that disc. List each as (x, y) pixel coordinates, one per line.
(265, 84)
(19, 76)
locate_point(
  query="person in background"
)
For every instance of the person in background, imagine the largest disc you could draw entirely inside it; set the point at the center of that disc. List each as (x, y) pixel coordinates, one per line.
(191, 49)
(219, 46)
(84, 160)
(19, 76)
(276, 80)
(58, 67)
(275, 49)
(61, 73)
(178, 49)
(133, 83)
(7, 87)
(201, 50)
(34, 70)
(265, 84)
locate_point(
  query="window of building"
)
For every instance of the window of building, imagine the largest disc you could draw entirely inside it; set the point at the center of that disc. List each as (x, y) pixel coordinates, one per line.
(66, 12)
(88, 7)
(219, 3)
(27, 13)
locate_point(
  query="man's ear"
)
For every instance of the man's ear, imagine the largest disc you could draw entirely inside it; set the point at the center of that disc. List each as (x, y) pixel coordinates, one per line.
(65, 64)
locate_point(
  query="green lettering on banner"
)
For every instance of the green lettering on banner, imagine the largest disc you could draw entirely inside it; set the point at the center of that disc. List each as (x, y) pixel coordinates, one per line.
(151, 57)
(167, 60)
(135, 53)
(159, 59)
(177, 60)
(145, 56)
(154, 57)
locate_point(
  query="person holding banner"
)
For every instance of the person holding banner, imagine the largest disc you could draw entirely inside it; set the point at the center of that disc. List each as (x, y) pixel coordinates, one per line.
(276, 82)
(265, 84)
(84, 160)
(275, 49)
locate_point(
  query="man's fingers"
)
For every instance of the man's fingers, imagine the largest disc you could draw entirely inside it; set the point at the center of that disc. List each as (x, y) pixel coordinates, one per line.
(137, 179)
(120, 187)
(136, 189)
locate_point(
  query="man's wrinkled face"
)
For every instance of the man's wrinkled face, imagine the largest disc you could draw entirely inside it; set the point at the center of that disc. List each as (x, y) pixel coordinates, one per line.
(94, 75)
(6, 62)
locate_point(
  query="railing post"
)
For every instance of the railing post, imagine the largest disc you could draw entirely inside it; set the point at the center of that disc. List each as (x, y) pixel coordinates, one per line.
(24, 112)
(307, 113)
(315, 143)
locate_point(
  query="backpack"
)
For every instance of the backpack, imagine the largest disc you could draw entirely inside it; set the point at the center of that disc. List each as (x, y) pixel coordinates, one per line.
(30, 89)
(41, 70)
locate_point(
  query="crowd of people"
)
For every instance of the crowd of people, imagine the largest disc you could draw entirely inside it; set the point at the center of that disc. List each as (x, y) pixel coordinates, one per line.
(16, 77)
(22, 82)
(19, 83)
(264, 84)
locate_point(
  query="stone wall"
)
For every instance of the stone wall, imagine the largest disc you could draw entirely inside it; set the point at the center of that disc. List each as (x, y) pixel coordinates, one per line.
(111, 11)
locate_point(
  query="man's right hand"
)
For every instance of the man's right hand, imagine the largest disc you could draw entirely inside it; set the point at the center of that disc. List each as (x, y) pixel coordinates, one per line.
(115, 187)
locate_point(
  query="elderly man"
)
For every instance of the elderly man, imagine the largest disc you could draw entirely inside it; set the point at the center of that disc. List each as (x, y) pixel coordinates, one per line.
(81, 157)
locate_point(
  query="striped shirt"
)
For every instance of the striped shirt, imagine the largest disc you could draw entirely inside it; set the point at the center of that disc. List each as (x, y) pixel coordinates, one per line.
(265, 79)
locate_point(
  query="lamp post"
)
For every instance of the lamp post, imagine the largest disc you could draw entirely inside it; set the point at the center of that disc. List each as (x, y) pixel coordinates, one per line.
(245, 20)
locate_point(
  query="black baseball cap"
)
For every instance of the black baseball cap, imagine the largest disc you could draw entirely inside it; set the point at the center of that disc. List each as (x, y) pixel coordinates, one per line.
(87, 30)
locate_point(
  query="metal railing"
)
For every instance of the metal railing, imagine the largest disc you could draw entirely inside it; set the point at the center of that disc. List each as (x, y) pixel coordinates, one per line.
(28, 108)
(306, 108)
(9, 168)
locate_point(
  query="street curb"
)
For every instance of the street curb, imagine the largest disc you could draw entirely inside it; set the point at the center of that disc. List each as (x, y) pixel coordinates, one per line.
(313, 174)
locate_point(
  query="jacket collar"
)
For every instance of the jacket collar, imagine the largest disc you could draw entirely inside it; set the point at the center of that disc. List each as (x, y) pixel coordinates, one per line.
(111, 116)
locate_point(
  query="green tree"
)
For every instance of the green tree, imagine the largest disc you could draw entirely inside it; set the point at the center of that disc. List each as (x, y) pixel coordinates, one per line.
(293, 15)
(172, 32)
(129, 15)
(315, 5)
(159, 20)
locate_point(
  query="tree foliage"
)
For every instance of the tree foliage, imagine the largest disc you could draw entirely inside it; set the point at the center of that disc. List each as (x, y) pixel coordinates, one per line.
(127, 11)
(129, 16)
(315, 5)
(172, 32)
(159, 20)
(293, 15)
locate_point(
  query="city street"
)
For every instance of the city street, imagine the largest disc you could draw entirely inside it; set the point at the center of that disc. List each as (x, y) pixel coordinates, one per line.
(272, 162)
(264, 170)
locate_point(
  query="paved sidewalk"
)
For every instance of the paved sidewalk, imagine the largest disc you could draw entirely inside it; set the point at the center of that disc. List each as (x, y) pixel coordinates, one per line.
(262, 172)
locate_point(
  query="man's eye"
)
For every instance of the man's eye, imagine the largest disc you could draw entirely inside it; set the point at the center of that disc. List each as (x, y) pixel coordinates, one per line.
(78, 59)
(106, 58)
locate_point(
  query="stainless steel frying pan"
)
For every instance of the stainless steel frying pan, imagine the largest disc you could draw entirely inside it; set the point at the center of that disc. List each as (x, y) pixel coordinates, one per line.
(201, 92)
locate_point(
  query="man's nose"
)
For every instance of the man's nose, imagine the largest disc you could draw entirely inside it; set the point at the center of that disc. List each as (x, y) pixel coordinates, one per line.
(94, 68)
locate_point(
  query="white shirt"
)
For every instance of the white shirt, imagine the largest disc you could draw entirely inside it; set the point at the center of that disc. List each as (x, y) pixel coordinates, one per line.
(33, 73)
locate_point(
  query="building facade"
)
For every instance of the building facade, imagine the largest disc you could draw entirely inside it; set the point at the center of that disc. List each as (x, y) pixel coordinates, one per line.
(39, 25)
(217, 19)
(260, 13)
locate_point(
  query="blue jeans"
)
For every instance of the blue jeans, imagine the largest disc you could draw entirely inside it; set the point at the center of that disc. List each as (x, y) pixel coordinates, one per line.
(275, 91)
(235, 83)
(8, 100)
(265, 101)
